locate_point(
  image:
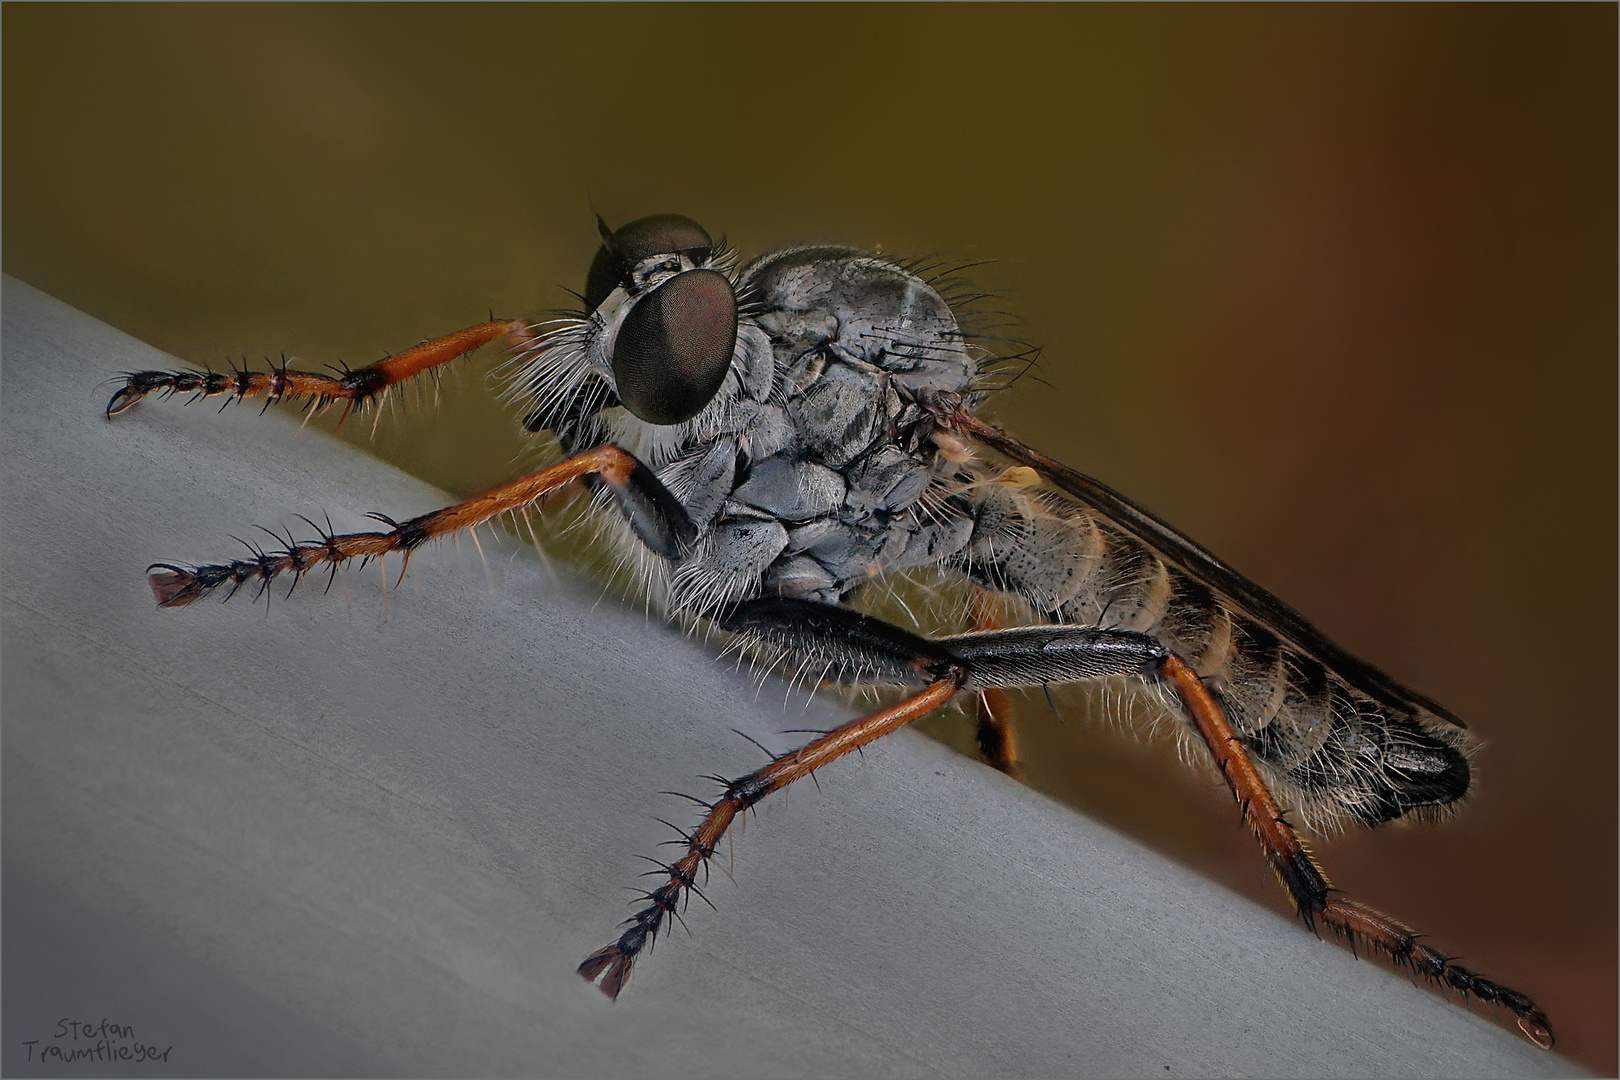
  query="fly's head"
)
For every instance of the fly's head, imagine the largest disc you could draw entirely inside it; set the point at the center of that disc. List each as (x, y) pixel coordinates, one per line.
(670, 316)
(659, 336)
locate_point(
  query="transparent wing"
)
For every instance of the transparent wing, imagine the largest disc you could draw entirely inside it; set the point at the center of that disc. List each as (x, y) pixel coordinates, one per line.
(1198, 562)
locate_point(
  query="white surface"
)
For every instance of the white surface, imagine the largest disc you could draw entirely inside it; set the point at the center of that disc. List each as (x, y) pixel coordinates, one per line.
(349, 835)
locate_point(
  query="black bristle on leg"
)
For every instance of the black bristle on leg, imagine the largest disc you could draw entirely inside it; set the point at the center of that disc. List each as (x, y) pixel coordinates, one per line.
(1359, 924)
(609, 968)
(177, 586)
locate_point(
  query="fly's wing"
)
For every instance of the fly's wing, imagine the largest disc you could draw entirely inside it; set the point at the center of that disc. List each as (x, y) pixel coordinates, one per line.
(1198, 562)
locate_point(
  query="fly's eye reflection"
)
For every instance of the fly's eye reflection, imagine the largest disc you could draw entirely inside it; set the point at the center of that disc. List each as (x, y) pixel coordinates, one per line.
(774, 461)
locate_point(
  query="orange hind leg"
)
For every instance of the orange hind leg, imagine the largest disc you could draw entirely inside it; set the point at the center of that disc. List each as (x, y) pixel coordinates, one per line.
(1314, 898)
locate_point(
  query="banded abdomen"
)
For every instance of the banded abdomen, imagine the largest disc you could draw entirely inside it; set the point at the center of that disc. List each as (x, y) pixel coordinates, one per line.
(1340, 736)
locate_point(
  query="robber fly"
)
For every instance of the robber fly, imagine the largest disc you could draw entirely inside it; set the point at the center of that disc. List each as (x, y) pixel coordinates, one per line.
(772, 439)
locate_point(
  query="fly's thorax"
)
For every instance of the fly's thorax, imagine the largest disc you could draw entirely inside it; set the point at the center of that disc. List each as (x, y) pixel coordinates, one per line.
(816, 489)
(837, 505)
(806, 470)
(856, 306)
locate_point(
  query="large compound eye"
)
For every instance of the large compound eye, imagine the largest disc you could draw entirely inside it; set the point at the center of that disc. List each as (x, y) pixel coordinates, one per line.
(674, 347)
(659, 234)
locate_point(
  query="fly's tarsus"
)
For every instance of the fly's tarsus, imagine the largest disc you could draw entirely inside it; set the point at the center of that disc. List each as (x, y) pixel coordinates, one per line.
(1359, 924)
(274, 385)
(356, 388)
(176, 586)
(609, 967)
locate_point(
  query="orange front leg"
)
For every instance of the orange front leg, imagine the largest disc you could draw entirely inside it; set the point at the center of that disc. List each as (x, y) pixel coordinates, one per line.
(177, 586)
(354, 388)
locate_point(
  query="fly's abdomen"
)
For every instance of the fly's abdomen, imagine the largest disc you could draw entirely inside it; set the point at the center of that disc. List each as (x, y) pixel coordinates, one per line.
(1337, 749)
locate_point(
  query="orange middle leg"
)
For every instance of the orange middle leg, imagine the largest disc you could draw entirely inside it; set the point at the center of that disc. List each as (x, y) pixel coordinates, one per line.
(610, 967)
(995, 732)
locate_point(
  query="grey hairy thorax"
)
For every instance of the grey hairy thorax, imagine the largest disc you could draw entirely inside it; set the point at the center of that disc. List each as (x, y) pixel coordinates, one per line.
(807, 474)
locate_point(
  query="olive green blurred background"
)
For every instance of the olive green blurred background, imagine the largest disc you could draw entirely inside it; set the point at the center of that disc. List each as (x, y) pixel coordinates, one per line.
(1333, 288)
